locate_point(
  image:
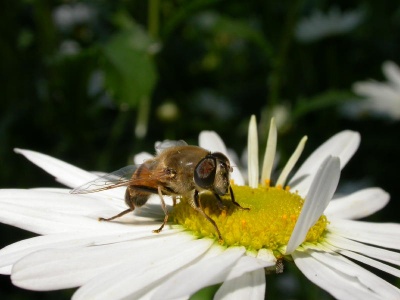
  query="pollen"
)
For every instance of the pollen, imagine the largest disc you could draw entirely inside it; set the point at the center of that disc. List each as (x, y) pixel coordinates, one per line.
(268, 224)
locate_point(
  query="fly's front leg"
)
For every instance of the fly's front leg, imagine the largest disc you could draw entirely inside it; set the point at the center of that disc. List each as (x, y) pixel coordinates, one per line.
(234, 201)
(164, 207)
(197, 206)
(220, 204)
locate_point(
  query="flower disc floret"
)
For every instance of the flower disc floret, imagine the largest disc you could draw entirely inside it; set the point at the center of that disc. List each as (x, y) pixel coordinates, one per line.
(268, 224)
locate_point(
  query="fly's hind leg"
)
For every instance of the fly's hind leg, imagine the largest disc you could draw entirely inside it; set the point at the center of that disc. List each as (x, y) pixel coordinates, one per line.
(164, 207)
(117, 216)
(128, 202)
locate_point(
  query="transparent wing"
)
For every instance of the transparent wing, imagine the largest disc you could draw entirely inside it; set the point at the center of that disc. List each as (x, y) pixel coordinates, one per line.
(121, 177)
(161, 146)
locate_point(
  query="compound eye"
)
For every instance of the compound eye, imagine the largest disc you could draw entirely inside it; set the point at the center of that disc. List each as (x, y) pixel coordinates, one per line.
(221, 157)
(204, 173)
(224, 161)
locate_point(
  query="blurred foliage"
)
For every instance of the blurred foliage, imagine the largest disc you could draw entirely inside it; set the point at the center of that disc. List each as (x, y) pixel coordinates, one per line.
(94, 82)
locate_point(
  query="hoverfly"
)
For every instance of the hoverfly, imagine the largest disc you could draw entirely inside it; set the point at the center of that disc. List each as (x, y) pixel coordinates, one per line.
(178, 170)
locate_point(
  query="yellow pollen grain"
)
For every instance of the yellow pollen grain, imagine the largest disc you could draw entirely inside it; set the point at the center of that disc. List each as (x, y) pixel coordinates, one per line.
(243, 223)
(268, 224)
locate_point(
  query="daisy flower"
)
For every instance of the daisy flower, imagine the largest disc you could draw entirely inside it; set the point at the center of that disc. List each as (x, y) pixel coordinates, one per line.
(320, 25)
(67, 16)
(381, 98)
(121, 259)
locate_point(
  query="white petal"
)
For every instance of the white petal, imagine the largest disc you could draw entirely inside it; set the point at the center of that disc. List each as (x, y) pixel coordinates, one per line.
(343, 145)
(381, 97)
(327, 278)
(252, 159)
(267, 255)
(59, 200)
(204, 273)
(392, 72)
(142, 273)
(14, 252)
(210, 140)
(358, 205)
(321, 192)
(371, 251)
(379, 234)
(248, 264)
(326, 275)
(51, 269)
(64, 173)
(46, 212)
(250, 285)
(371, 262)
(365, 278)
(5, 270)
(291, 162)
(269, 156)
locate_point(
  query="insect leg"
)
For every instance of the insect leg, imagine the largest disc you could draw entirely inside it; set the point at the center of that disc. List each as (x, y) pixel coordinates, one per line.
(234, 201)
(128, 202)
(199, 208)
(118, 215)
(220, 204)
(164, 207)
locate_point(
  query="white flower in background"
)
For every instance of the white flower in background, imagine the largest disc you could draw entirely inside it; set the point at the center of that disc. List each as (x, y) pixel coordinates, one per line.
(66, 16)
(210, 103)
(113, 260)
(281, 114)
(69, 47)
(380, 98)
(320, 25)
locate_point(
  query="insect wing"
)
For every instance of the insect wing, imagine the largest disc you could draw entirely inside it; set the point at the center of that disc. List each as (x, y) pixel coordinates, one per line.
(121, 177)
(161, 146)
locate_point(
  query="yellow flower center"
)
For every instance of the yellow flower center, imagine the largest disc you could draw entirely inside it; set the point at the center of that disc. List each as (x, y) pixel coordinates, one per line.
(268, 224)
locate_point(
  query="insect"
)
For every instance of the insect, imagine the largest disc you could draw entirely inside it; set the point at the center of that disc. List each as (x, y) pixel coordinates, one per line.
(178, 170)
